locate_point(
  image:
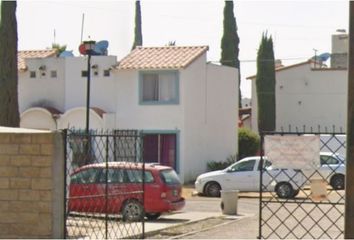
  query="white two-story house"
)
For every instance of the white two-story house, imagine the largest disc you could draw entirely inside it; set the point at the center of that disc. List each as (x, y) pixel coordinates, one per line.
(310, 95)
(185, 106)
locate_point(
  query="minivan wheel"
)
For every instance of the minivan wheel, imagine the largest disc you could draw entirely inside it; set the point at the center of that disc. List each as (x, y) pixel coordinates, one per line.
(284, 190)
(152, 216)
(212, 189)
(337, 182)
(132, 211)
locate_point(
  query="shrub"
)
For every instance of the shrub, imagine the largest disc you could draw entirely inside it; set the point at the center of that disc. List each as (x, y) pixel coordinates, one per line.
(248, 143)
(213, 165)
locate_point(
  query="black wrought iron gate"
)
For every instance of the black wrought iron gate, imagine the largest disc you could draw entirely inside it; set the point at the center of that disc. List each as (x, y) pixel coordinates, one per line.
(294, 210)
(98, 199)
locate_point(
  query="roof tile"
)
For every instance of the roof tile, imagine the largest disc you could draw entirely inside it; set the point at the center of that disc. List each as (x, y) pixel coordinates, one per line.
(22, 55)
(168, 57)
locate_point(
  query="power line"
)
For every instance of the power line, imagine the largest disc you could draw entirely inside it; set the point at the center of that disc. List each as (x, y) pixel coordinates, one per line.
(264, 60)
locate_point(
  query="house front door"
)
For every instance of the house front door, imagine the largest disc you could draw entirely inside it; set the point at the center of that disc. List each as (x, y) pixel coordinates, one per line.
(160, 148)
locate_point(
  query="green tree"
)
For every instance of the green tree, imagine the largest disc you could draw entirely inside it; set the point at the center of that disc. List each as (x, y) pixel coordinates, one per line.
(9, 113)
(265, 84)
(230, 42)
(59, 48)
(138, 36)
(248, 143)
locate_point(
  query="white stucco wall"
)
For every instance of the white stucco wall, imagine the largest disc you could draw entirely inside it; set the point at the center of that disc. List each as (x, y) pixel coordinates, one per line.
(254, 106)
(102, 89)
(42, 90)
(308, 97)
(38, 118)
(222, 112)
(76, 118)
(210, 98)
(311, 98)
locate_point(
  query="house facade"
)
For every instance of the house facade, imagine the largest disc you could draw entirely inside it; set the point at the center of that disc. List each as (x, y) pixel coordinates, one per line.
(310, 95)
(184, 106)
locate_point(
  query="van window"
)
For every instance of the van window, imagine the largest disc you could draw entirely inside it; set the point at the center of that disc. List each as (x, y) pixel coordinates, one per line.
(113, 176)
(86, 176)
(136, 176)
(169, 177)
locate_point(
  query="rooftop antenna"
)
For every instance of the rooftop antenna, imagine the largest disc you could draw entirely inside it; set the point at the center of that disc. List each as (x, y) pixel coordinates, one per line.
(82, 26)
(315, 50)
(54, 37)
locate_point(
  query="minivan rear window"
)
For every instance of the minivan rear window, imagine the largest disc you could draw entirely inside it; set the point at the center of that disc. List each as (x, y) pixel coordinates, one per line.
(169, 177)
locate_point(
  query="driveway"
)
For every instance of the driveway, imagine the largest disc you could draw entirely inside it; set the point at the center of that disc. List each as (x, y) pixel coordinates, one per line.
(199, 209)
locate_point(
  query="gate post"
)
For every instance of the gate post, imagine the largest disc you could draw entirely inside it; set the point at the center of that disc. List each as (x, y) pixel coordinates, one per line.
(349, 187)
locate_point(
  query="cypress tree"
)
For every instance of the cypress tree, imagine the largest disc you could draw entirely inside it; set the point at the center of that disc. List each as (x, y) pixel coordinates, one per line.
(230, 42)
(138, 36)
(9, 113)
(265, 83)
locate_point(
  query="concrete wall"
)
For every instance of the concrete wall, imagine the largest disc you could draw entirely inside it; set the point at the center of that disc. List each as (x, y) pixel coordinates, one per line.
(222, 112)
(308, 97)
(103, 89)
(31, 184)
(42, 90)
(311, 98)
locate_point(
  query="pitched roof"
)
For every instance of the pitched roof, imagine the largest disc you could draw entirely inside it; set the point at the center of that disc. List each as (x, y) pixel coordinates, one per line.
(168, 57)
(22, 55)
(283, 68)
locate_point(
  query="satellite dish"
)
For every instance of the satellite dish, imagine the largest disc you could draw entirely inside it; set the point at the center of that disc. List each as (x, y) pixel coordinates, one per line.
(66, 54)
(82, 49)
(101, 47)
(324, 56)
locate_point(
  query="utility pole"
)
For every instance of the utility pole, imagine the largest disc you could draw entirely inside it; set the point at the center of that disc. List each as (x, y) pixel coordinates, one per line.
(349, 176)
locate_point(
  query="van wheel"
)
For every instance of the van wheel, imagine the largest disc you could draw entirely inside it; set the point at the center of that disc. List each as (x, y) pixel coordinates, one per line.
(152, 216)
(284, 190)
(132, 211)
(212, 189)
(337, 182)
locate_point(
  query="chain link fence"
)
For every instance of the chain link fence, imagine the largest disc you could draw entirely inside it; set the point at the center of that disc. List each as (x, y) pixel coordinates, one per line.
(302, 203)
(104, 185)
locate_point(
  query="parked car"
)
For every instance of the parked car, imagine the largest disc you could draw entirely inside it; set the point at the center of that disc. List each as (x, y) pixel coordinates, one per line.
(244, 175)
(119, 190)
(332, 169)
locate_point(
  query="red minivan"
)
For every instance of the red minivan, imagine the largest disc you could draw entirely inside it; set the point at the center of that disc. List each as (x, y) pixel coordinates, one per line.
(120, 190)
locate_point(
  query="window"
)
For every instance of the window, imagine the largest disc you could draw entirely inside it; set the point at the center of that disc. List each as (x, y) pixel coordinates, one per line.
(160, 148)
(136, 176)
(266, 165)
(328, 160)
(244, 166)
(170, 177)
(159, 87)
(86, 176)
(53, 74)
(106, 73)
(32, 74)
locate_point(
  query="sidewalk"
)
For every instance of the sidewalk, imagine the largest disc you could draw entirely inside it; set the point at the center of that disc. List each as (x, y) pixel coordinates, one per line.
(241, 226)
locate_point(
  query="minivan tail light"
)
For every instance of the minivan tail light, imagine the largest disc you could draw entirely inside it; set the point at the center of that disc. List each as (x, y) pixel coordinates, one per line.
(163, 195)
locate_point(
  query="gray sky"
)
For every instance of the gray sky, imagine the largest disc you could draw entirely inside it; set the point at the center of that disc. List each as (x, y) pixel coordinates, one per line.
(297, 27)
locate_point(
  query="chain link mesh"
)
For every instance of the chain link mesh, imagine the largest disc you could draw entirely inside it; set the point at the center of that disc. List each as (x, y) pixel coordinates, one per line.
(96, 209)
(292, 210)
